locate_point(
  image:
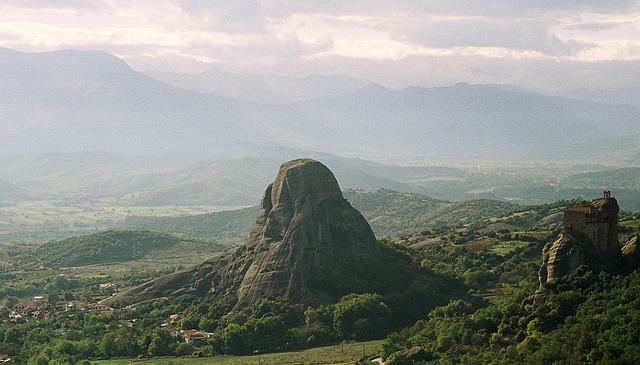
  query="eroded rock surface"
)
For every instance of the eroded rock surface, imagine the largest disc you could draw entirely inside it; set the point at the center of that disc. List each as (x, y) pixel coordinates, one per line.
(589, 237)
(630, 249)
(561, 257)
(305, 227)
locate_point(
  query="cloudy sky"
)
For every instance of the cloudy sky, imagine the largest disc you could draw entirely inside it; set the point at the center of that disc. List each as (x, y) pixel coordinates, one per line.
(534, 43)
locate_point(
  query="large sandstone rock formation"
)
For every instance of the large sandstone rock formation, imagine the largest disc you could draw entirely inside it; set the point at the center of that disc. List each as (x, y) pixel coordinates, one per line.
(304, 230)
(589, 237)
(562, 257)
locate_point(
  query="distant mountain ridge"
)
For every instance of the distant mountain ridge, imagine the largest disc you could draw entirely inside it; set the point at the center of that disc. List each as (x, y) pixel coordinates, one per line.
(267, 89)
(618, 150)
(481, 120)
(82, 100)
(627, 96)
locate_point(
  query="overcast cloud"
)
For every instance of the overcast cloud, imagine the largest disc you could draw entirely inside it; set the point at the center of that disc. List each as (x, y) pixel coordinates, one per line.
(523, 42)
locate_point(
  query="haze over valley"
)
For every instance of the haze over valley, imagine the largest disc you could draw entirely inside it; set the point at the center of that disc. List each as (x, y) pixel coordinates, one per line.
(69, 101)
(319, 182)
(82, 127)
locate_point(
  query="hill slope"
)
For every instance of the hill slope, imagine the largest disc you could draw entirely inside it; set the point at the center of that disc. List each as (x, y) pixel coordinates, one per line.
(390, 214)
(229, 226)
(112, 247)
(10, 193)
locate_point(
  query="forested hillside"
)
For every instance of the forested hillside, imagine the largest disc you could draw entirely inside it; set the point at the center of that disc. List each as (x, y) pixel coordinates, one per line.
(390, 214)
(115, 246)
(231, 226)
(469, 300)
(593, 320)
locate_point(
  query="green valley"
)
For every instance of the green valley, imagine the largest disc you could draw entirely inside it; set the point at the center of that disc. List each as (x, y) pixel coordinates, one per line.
(493, 256)
(268, 182)
(468, 269)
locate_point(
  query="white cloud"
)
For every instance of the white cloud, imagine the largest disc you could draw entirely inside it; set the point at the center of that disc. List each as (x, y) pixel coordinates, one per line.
(612, 36)
(328, 36)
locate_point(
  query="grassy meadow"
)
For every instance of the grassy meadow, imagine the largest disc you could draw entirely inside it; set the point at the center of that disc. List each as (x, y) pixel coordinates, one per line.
(345, 353)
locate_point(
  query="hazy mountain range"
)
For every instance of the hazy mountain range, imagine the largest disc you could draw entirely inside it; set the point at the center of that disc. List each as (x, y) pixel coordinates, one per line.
(267, 89)
(76, 126)
(626, 96)
(82, 101)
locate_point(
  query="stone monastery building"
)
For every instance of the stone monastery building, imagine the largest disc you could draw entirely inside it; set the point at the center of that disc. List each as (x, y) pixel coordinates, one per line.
(597, 221)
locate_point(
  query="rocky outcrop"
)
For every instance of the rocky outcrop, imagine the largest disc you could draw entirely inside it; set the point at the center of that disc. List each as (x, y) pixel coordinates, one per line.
(589, 237)
(561, 257)
(630, 250)
(304, 229)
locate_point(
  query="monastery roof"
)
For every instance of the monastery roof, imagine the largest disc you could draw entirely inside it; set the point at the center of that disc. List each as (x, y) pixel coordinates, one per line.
(600, 204)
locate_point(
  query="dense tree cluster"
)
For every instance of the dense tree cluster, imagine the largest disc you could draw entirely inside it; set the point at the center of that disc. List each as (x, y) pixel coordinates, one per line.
(594, 320)
(408, 292)
(460, 291)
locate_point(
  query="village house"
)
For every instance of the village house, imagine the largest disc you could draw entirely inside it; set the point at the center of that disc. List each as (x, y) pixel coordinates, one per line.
(25, 308)
(176, 334)
(194, 337)
(189, 336)
(75, 305)
(97, 307)
(15, 318)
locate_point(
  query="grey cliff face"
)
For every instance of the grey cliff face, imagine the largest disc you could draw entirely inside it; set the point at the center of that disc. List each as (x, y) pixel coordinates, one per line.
(561, 257)
(305, 224)
(305, 227)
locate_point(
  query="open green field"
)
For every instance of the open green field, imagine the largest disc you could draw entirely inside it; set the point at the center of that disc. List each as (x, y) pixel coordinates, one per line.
(347, 353)
(36, 222)
(505, 247)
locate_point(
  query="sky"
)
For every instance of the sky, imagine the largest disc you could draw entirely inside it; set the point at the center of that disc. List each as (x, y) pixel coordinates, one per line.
(537, 44)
